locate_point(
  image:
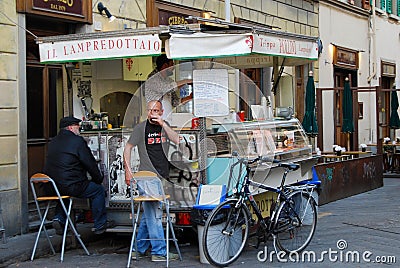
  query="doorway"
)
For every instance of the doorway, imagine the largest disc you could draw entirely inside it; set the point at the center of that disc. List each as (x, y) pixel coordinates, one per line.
(44, 108)
(347, 140)
(44, 95)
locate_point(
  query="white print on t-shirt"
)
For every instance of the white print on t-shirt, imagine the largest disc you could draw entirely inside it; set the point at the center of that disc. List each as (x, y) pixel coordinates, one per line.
(155, 138)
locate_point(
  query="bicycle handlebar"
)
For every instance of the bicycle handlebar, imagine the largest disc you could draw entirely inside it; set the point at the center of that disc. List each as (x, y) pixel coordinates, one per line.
(263, 159)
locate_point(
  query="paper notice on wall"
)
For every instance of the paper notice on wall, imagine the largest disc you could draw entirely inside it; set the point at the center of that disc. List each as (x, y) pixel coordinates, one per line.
(210, 194)
(210, 92)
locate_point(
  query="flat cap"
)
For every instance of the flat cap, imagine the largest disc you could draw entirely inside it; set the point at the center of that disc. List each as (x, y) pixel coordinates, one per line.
(68, 121)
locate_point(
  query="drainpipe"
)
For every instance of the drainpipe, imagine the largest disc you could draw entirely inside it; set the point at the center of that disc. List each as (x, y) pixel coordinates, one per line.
(228, 10)
(373, 36)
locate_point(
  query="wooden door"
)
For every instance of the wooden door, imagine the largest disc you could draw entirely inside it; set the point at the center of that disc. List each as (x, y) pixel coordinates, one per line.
(44, 109)
(347, 140)
(384, 107)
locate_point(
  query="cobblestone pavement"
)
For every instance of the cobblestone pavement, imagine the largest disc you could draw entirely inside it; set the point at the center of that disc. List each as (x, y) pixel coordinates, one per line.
(351, 227)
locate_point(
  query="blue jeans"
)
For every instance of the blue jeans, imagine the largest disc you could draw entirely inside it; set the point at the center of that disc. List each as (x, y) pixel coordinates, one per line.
(96, 193)
(151, 224)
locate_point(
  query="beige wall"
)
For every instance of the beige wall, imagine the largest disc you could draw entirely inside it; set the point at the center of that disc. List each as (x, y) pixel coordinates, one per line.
(10, 199)
(298, 16)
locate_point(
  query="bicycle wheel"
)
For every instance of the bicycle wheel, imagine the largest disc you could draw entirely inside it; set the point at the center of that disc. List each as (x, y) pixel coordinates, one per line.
(225, 233)
(295, 222)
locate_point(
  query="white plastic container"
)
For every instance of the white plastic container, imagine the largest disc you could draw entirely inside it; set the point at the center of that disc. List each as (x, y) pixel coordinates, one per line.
(200, 229)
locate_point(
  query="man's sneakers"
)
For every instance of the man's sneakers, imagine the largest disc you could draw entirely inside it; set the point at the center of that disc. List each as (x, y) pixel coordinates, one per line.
(172, 257)
(58, 226)
(139, 255)
(102, 229)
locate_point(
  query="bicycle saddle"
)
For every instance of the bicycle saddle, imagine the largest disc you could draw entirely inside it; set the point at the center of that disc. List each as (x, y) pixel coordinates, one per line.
(290, 166)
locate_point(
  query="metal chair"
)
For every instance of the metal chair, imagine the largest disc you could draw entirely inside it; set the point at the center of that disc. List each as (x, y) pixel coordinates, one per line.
(151, 194)
(40, 178)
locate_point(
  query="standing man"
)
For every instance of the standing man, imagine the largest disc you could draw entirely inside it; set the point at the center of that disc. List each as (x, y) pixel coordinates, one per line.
(68, 161)
(151, 137)
(160, 86)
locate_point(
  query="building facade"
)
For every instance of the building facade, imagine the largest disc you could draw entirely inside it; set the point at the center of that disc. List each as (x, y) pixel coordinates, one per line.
(361, 42)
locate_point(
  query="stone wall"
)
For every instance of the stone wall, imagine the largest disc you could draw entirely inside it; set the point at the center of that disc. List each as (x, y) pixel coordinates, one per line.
(10, 199)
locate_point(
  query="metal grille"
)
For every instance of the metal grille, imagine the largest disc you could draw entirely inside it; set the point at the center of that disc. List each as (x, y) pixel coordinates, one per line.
(120, 205)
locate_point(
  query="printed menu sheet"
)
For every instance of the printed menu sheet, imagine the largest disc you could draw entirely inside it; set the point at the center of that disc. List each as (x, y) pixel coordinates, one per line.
(210, 92)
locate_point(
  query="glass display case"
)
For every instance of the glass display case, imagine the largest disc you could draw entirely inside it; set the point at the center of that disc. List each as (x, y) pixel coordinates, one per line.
(284, 140)
(281, 139)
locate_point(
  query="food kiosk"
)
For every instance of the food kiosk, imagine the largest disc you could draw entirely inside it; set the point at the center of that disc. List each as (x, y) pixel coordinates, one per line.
(205, 147)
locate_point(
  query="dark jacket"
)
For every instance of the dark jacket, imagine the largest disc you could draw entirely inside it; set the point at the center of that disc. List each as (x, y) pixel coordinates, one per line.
(68, 160)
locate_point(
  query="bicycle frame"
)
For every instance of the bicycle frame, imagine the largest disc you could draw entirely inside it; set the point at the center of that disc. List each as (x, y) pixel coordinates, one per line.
(245, 192)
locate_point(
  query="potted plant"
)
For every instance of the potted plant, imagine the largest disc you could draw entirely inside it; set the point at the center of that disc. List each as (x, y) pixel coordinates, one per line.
(363, 147)
(338, 149)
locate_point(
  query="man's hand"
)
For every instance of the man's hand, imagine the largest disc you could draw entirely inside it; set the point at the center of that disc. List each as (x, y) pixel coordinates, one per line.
(156, 119)
(127, 160)
(128, 176)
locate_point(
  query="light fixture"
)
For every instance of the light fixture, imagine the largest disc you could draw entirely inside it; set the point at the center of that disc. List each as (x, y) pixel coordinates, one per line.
(102, 8)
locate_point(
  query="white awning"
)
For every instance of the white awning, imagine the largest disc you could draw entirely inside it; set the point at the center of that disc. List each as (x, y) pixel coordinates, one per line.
(100, 48)
(204, 45)
(285, 46)
(257, 45)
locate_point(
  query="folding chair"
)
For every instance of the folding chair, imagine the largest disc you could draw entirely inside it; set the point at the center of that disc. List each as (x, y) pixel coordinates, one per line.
(153, 192)
(40, 178)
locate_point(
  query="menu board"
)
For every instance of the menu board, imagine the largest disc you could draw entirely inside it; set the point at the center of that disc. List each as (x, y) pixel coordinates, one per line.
(210, 92)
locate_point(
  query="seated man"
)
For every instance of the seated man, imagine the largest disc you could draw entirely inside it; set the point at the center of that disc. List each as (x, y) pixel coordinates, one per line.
(151, 137)
(68, 160)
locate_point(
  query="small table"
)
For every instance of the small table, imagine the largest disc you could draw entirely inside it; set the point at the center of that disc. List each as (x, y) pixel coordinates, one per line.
(333, 157)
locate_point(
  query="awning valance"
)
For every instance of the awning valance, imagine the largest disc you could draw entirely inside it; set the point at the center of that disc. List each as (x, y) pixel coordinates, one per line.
(100, 48)
(204, 45)
(285, 46)
(189, 42)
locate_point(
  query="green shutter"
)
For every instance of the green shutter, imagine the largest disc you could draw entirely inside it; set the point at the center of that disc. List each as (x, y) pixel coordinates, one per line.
(398, 7)
(383, 5)
(389, 6)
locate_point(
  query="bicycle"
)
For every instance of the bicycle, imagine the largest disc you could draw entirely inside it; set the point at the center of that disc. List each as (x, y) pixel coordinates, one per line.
(291, 224)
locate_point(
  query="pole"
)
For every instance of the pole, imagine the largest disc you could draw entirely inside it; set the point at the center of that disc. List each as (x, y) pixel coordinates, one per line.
(348, 141)
(228, 10)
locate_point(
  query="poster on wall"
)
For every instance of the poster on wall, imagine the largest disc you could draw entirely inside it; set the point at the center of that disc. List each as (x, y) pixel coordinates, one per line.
(99, 149)
(118, 189)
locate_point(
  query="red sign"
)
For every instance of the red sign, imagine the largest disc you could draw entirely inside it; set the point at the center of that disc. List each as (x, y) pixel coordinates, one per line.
(70, 7)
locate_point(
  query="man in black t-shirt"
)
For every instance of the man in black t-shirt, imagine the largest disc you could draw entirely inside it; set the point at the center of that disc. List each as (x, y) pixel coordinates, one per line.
(151, 137)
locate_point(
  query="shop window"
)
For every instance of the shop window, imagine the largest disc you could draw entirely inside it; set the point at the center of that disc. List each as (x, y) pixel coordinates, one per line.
(366, 4)
(35, 110)
(115, 104)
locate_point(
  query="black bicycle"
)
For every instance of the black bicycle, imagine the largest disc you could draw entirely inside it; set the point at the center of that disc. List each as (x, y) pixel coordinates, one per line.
(291, 223)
